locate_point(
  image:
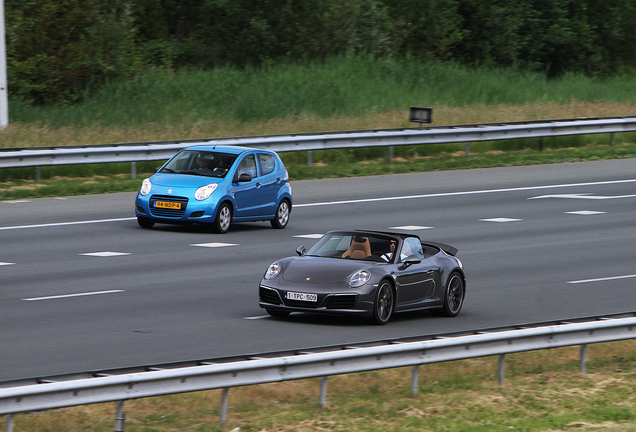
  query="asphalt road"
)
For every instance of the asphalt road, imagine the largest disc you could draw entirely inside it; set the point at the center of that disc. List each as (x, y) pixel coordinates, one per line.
(82, 287)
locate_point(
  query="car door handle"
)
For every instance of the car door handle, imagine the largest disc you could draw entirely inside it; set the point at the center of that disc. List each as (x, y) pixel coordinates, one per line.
(258, 184)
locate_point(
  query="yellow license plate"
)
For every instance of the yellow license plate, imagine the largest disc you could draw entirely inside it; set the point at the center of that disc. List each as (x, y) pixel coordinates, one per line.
(168, 205)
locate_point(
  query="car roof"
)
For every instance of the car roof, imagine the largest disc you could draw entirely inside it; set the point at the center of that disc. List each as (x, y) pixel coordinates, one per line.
(223, 149)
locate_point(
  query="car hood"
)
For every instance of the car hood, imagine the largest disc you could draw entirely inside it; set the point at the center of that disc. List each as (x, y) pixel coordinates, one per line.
(322, 270)
(182, 180)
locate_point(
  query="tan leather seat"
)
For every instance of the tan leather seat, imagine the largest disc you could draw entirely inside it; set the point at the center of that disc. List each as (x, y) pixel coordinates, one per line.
(360, 248)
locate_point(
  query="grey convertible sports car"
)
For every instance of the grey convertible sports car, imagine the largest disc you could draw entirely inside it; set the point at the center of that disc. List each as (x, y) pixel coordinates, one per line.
(366, 273)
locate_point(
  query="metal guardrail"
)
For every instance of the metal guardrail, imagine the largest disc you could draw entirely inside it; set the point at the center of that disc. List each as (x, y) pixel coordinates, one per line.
(135, 152)
(118, 388)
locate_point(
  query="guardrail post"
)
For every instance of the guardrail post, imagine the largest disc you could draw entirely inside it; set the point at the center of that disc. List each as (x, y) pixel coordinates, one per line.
(38, 174)
(540, 144)
(224, 402)
(582, 358)
(612, 139)
(415, 379)
(391, 152)
(8, 423)
(310, 158)
(501, 372)
(323, 392)
(133, 170)
(467, 149)
(120, 417)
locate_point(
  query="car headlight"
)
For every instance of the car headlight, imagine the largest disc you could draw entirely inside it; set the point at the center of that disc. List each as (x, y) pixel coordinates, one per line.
(204, 192)
(359, 278)
(272, 271)
(145, 187)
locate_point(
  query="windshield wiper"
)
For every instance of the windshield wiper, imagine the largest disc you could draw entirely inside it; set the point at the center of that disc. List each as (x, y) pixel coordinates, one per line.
(189, 172)
(167, 170)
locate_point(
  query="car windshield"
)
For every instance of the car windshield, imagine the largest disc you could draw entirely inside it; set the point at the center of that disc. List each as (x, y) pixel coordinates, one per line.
(201, 163)
(353, 245)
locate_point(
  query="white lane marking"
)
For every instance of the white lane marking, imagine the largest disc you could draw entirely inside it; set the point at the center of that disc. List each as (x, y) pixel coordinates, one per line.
(16, 201)
(72, 295)
(500, 220)
(256, 317)
(476, 192)
(585, 212)
(309, 236)
(411, 228)
(105, 254)
(65, 223)
(602, 279)
(6, 263)
(214, 245)
(588, 196)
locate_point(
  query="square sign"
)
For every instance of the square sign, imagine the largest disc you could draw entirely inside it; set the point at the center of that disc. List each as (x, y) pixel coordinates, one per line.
(421, 115)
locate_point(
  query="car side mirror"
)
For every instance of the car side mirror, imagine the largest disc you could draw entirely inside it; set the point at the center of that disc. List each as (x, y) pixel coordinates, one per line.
(245, 178)
(410, 260)
(301, 251)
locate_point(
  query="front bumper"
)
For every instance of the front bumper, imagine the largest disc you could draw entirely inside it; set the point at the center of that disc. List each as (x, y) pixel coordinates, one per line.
(189, 210)
(329, 303)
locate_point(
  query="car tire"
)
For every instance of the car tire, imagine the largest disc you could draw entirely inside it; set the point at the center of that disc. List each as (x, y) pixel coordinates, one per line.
(277, 313)
(145, 222)
(281, 219)
(223, 219)
(454, 294)
(384, 303)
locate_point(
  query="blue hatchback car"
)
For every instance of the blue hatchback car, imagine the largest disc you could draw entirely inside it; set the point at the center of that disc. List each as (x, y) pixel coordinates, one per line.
(216, 185)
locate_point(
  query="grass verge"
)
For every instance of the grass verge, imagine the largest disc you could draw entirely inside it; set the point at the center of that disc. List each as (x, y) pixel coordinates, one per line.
(543, 391)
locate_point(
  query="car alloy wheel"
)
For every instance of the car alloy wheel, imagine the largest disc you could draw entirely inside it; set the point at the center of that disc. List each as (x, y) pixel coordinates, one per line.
(282, 215)
(223, 219)
(384, 303)
(454, 295)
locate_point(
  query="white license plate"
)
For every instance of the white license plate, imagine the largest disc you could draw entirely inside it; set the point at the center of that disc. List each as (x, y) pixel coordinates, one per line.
(302, 297)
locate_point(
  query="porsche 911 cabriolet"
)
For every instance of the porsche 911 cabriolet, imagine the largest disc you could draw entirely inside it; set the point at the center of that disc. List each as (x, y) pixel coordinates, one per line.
(367, 273)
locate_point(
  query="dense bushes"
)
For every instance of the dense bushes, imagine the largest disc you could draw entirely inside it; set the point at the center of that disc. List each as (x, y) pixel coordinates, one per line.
(58, 50)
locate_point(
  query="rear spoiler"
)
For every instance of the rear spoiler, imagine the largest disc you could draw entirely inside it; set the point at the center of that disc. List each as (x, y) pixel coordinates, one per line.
(451, 250)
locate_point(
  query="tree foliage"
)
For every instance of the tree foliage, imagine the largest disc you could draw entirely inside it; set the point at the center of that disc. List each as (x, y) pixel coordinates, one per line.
(61, 50)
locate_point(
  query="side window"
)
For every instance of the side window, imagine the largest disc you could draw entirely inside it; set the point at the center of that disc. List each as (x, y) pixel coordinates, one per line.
(248, 165)
(412, 246)
(267, 163)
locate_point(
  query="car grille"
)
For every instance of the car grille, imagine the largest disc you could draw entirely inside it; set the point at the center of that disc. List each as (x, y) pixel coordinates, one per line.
(269, 296)
(301, 304)
(342, 301)
(171, 213)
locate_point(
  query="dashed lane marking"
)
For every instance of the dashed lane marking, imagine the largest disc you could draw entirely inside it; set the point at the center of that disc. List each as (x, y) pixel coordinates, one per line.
(411, 228)
(105, 254)
(213, 245)
(500, 220)
(309, 236)
(586, 212)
